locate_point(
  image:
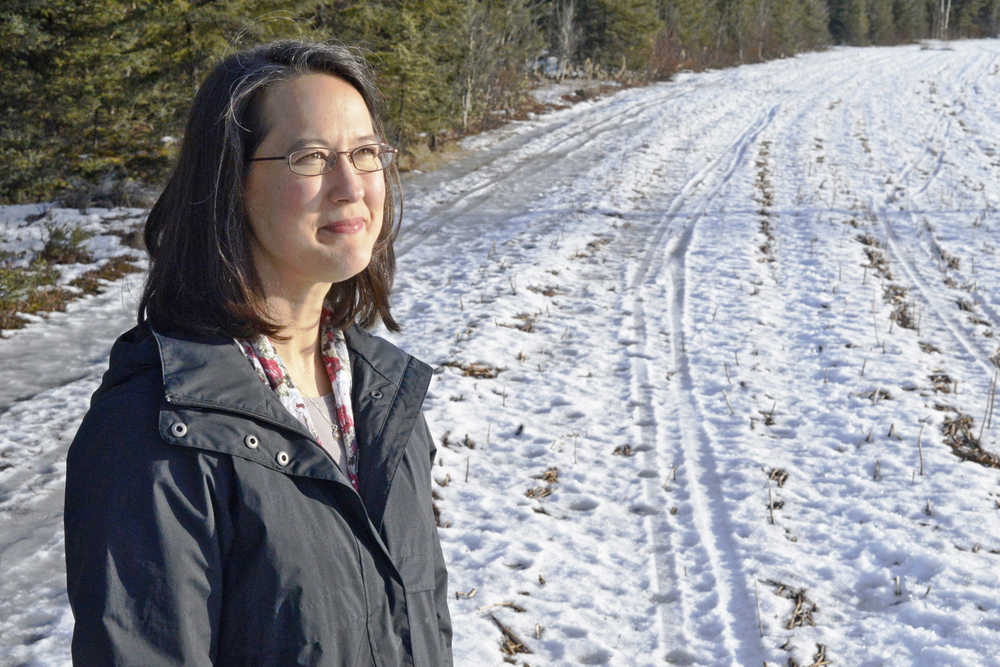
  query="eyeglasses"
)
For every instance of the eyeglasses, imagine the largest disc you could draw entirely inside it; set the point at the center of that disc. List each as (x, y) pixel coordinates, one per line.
(316, 161)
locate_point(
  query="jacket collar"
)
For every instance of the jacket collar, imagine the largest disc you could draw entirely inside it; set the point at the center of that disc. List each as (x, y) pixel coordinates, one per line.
(387, 392)
(212, 373)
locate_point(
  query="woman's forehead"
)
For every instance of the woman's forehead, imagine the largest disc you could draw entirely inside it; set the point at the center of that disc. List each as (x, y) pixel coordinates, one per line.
(319, 108)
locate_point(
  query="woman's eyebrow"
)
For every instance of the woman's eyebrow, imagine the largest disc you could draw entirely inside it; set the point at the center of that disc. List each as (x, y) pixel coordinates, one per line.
(310, 142)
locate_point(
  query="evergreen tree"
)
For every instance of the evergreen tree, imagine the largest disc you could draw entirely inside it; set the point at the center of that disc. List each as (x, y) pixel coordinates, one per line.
(94, 89)
(910, 19)
(882, 28)
(617, 32)
(976, 18)
(849, 21)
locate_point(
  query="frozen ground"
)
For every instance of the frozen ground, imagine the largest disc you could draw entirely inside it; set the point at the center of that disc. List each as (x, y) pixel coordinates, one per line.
(746, 293)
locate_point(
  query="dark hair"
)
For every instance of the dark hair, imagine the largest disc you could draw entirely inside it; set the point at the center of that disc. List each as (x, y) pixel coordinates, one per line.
(202, 277)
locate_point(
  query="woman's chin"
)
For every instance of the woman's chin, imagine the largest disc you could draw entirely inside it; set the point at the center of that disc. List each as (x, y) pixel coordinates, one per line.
(349, 267)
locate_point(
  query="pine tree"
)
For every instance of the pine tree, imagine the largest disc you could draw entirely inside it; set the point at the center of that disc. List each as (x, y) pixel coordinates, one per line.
(882, 27)
(973, 18)
(853, 17)
(617, 32)
(910, 19)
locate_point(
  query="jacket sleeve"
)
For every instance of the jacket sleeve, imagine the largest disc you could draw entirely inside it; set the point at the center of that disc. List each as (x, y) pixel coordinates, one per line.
(144, 541)
(440, 577)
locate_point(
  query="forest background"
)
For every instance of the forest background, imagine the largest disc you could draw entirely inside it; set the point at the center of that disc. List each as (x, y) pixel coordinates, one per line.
(95, 93)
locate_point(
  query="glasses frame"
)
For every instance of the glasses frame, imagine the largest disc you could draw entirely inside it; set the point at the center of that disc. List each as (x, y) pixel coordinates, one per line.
(332, 158)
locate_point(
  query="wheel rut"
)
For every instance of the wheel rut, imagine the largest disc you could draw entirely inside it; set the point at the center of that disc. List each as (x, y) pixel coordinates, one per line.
(701, 590)
(543, 159)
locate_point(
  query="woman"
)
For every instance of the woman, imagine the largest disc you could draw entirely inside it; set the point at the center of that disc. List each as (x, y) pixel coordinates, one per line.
(251, 484)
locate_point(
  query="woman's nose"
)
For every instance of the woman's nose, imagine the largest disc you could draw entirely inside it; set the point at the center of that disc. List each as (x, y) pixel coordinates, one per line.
(344, 181)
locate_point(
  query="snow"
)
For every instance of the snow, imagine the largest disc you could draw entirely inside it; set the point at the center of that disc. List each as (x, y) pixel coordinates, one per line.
(554, 93)
(683, 288)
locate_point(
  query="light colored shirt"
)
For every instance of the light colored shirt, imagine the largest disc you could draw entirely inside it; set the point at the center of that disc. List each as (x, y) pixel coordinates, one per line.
(323, 412)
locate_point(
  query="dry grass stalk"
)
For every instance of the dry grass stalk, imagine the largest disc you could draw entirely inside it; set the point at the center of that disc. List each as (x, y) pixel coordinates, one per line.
(756, 596)
(990, 400)
(942, 381)
(113, 269)
(510, 644)
(770, 504)
(802, 614)
(958, 435)
(778, 475)
(546, 290)
(920, 448)
(527, 323)
(819, 659)
(551, 475)
(477, 370)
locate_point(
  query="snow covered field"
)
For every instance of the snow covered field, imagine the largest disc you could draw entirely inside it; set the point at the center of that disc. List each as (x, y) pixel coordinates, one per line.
(698, 347)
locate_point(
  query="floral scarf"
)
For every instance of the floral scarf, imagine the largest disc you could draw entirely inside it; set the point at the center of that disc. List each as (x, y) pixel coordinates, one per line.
(333, 350)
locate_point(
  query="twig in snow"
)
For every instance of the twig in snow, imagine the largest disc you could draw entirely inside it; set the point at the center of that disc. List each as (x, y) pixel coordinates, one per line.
(770, 503)
(510, 644)
(920, 448)
(756, 595)
(990, 397)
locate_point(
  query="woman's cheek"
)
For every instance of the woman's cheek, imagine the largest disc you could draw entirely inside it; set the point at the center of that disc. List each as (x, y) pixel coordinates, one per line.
(299, 195)
(375, 197)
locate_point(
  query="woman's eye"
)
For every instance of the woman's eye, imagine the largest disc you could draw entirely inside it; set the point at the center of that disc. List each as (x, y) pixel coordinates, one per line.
(311, 156)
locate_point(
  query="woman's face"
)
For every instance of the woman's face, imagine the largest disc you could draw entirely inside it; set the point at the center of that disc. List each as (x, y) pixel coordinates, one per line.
(309, 230)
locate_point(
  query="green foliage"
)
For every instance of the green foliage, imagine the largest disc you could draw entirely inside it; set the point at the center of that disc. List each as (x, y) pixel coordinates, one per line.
(64, 246)
(617, 32)
(881, 26)
(93, 88)
(24, 290)
(910, 18)
(976, 18)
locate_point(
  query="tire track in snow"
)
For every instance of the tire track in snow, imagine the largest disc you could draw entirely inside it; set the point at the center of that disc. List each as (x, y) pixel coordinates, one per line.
(542, 149)
(935, 248)
(937, 305)
(712, 601)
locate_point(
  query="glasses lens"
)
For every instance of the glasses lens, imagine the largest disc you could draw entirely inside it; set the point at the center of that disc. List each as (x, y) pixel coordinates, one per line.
(369, 158)
(309, 162)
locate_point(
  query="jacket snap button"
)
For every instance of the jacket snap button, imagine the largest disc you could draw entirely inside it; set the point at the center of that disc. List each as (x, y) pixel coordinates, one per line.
(282, 458)
(179, 429)
(376, 394)
(251, 441)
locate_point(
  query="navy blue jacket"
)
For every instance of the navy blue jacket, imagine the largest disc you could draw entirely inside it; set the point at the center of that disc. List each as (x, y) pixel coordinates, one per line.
(205, 525)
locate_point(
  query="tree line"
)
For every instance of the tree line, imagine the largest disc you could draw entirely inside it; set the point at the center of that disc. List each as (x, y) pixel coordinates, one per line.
(99, 88)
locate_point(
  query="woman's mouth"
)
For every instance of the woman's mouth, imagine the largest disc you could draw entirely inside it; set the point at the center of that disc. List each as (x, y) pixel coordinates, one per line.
(345, 226)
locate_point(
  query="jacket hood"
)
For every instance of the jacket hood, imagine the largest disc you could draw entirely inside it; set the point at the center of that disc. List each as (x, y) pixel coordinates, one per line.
(212, 373)
(133, 354)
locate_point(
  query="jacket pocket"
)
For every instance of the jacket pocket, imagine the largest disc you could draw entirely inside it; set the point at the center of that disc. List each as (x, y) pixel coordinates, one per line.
(421, 611)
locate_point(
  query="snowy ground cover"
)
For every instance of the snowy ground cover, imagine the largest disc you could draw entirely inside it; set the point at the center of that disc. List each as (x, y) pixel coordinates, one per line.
(711, 358)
